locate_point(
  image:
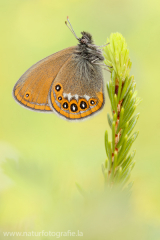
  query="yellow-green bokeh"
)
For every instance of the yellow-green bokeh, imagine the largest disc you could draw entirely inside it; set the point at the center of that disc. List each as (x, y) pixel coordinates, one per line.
(45, 154)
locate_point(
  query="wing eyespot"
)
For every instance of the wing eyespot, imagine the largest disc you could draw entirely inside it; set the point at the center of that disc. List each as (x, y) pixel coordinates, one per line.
(65, 105)
(59, 98)
(92, 101)
(58, 88)
(74, 107)
(83, 105)
(26, 95)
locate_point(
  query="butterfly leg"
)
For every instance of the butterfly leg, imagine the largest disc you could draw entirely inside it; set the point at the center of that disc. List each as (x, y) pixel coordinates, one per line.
(106, 70)
(94, 60)
(102, 64)
(103, 45)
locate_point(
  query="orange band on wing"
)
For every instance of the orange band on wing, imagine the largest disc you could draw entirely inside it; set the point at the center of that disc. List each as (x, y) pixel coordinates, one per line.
(31, 97)
(100, 103)
(87, 113)
(74, 109)
(64, 113)
(75, 116)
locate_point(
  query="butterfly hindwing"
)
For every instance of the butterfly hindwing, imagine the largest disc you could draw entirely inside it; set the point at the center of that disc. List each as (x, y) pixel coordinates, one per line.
(77, 91)
(33, 87)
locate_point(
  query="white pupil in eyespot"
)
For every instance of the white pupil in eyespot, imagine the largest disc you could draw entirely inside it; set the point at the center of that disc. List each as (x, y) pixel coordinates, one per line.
(83, 105)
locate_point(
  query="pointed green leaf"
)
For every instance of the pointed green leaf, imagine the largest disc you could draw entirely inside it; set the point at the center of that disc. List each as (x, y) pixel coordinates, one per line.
(138, 101)
(111, 95)
(115, 102)
(115, 117)
(112, 58)
(106, 163)
(110, 154)
(122, 150)
(105, 172)
(108, 90)
(126, 178)
(129, 114)
(106, 143)
(118, 175)
(114, 165)
(120, 120)
(109, 120)
(135, 94)
(124, 132)
(132, 123)
(129, 144)
(132, 166)
(127, 168)
(129, 86)
(113, 77)
(124, 88)
(113, 136)
(129, 159)
(129, 106)
(119, 89)
(115, 160)
(127, 98)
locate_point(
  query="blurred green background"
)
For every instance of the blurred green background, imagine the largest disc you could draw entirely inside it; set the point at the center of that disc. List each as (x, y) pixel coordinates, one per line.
(42, 155)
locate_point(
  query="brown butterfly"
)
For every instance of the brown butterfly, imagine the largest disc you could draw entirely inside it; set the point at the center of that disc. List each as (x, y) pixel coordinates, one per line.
(69, 82)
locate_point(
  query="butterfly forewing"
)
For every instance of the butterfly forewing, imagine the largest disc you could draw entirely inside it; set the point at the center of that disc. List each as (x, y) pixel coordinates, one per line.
(33, 87)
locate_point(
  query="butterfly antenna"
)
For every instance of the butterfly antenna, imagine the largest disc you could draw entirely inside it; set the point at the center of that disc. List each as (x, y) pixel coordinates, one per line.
(70, 28)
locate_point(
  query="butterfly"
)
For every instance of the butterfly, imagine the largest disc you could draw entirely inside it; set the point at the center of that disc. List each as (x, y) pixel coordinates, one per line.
(68, 82)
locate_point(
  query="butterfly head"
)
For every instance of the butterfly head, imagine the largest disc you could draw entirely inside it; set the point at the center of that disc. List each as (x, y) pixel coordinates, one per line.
(86, 38)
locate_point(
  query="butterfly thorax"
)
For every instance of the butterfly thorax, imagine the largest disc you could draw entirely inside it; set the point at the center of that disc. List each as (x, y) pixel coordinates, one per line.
(88, 50)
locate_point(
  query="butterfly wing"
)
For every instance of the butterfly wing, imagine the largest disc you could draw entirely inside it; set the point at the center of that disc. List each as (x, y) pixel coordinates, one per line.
(32, 88)
(77, 92)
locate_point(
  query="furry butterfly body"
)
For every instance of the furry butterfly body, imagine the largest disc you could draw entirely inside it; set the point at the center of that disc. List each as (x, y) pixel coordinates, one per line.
(69, 82)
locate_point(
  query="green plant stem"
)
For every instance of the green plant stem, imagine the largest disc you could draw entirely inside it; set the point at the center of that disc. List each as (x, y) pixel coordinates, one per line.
(122, 95)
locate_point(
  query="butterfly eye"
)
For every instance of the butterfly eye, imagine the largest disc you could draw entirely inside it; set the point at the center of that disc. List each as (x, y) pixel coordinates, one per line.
(84, 40)
(57, 87)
